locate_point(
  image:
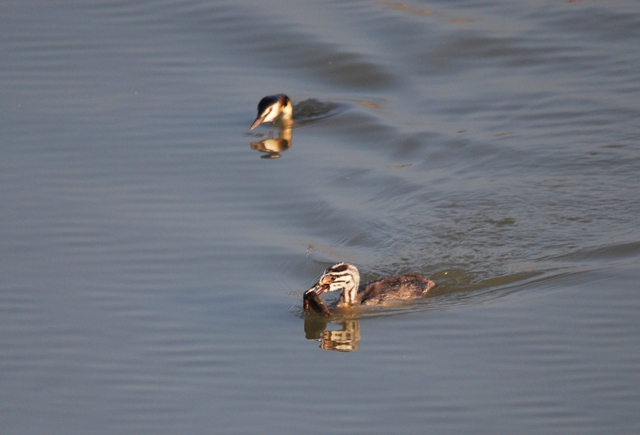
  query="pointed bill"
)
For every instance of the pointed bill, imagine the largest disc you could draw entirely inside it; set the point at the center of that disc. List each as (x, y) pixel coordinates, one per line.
(318, 288)
(259, 120)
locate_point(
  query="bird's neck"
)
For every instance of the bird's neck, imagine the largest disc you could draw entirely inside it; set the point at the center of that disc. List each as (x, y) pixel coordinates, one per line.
(350, 293)
(286, 114)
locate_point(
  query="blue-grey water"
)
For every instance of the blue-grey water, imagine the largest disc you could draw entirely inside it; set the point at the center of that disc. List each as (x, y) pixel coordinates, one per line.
(152, 262)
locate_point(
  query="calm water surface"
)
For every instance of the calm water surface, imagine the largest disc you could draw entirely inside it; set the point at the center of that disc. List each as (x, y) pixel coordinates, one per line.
(152, 262)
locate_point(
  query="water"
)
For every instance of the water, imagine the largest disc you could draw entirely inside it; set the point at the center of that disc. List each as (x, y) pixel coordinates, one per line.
(152, 262)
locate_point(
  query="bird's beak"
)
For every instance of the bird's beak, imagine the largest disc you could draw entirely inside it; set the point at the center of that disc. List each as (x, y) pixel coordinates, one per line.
(258, 121)
(318, 288)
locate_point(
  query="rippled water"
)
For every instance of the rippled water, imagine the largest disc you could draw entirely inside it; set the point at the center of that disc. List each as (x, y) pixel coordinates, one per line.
(152, 263)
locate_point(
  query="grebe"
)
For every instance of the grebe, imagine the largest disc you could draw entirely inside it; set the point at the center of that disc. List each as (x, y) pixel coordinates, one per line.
(273, 106)
(345, 277)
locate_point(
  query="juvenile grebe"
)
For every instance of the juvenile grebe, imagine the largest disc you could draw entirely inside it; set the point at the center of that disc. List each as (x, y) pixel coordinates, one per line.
(273, 106)
(345, 277)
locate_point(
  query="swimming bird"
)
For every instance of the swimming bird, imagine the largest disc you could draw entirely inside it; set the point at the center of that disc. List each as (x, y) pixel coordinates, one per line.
(346, 278)
(273, 108)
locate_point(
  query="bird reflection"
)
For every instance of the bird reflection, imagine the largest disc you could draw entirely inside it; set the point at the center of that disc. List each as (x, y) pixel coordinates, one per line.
(315, 326)
(345, 339)
(278, 110)
(274, 146)
(345, 279)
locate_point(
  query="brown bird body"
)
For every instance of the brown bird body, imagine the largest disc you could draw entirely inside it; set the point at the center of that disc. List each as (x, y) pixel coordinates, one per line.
(346, 278)
(393, 288)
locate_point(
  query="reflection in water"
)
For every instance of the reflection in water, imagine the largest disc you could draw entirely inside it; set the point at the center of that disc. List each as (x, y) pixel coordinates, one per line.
(345, 279)
(274, 146)
(344, 339)
(277, 109)
(453, 292)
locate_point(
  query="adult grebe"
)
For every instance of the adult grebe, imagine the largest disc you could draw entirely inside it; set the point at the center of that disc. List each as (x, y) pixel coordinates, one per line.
(345, 277)
(273, 106)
